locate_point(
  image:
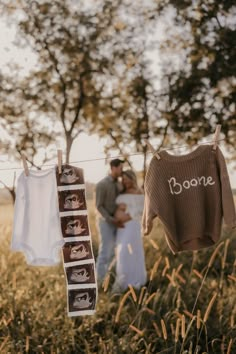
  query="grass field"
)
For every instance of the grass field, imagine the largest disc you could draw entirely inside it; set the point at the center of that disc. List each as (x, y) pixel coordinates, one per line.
(188, 306)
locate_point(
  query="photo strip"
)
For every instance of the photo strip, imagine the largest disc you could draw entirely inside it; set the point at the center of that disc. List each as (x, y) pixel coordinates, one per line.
(78, 258)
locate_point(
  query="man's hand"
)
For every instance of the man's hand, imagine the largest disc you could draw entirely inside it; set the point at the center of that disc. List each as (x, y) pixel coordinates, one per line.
(118, 223)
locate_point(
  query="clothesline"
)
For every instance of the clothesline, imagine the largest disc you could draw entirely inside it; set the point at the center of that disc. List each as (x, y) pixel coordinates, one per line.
(11, 7)
(112, 157)
(14, 7)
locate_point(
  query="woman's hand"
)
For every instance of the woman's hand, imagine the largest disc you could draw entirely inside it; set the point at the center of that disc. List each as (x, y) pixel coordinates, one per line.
(119, 222)
(126, 217)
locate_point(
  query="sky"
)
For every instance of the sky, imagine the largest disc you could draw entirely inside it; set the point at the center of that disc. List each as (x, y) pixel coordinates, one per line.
(86, 147)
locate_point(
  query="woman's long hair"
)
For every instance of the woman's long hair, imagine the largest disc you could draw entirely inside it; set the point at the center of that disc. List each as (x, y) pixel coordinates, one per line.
(132, 176)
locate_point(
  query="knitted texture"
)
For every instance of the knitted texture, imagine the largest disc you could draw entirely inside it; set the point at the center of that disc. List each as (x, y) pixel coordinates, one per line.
(189, 194)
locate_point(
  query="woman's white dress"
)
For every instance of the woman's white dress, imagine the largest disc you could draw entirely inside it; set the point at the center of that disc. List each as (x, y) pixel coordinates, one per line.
(130, 265)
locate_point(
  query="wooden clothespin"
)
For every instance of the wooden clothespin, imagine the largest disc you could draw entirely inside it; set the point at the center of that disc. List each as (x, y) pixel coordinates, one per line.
(25, 164)
(216, 136)
(155, 153)
(59, 158)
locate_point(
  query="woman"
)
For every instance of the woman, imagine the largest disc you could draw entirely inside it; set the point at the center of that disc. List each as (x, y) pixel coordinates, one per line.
(130, 265)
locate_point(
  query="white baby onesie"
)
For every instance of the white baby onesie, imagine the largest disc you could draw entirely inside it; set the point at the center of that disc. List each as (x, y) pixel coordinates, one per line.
(37, 230)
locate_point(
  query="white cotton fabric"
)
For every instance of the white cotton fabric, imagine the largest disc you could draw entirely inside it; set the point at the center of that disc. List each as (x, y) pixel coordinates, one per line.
(36, 228)
(130, 266)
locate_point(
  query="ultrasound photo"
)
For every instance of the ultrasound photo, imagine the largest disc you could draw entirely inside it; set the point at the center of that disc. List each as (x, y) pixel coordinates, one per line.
(75, 225)
(72, 200)
(82, 299)
(70, 175)
(82, 274)
(76, 251)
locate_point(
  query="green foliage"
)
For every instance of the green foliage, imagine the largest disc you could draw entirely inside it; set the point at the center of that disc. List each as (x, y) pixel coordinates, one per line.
(95, 73)
(80, 52)
(200, 82)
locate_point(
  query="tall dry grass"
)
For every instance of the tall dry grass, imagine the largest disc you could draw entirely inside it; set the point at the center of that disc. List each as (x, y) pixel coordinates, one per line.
(187, 306)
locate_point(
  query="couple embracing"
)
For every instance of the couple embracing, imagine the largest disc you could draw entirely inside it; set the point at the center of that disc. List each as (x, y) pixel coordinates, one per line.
(120, 208)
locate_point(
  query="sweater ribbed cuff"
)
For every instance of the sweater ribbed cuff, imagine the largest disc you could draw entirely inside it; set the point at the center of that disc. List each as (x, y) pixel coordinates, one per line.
(146, 229)
(110, 220)
(231, 225)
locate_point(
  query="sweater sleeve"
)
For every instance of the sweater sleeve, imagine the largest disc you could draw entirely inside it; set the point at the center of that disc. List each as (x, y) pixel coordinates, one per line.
(226, 192)
(148, 211)
(147, 218)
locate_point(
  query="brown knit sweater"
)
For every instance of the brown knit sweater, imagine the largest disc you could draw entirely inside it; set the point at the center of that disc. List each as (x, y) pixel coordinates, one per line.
(190, 194)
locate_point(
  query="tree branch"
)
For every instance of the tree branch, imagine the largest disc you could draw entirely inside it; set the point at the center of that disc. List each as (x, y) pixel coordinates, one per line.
(118, 146)
(65, 99)
(79, 105)
(11, 190)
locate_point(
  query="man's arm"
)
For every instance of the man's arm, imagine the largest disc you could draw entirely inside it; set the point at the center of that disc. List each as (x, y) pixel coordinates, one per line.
(100, 199)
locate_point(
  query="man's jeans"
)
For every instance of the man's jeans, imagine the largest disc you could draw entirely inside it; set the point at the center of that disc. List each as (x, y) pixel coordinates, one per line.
(106, 250)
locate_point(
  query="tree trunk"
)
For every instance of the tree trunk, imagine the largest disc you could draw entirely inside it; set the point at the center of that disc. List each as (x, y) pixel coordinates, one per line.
(69, 142)
(11, 190)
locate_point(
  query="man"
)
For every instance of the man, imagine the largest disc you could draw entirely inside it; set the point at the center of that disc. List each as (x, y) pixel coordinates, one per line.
(107, 191)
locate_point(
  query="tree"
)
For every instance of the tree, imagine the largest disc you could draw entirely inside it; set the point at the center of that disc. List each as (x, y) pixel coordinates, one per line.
(132, 109)
(77, 51)
(12, 189)
(18, 121)
(199, 63)
(93, 73)
(197, 89)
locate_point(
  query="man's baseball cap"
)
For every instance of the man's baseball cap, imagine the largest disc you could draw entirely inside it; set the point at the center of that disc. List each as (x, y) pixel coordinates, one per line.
(116, 162)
